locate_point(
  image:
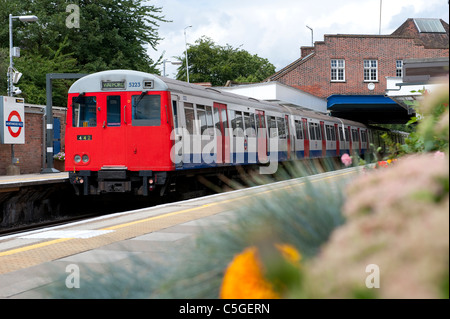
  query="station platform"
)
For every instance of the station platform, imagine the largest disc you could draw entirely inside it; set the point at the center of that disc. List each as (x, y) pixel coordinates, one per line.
(31, 261)
(14, 181)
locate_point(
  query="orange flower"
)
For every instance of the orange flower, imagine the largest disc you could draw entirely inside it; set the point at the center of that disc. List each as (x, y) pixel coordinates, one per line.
(244, 278)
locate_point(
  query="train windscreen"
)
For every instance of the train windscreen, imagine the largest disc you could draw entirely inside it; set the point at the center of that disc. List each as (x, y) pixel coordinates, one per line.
(146, 110)
(84, 112)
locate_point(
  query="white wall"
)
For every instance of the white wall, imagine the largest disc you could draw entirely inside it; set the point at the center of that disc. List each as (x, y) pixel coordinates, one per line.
(280, 93)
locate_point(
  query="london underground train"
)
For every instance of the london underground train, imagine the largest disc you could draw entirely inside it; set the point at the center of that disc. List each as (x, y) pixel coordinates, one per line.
(129, 131)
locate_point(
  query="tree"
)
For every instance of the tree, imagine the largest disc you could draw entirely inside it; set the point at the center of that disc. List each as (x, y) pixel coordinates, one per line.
(111, 35)
(209, 62)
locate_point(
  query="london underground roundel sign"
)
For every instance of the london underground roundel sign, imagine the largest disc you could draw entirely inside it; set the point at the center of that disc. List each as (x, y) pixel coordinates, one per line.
(12, 116)
(14, 120)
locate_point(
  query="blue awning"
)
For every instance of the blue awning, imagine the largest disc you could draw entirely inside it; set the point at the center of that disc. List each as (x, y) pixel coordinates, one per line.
(360, 102)
(367, 109)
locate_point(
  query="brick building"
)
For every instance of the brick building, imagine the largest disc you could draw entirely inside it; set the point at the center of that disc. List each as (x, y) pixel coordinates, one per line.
(30, 154)
(351, 70)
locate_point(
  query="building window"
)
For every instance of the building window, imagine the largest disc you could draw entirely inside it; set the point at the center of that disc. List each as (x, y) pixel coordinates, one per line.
(338, 70)
(399, 68)
(370, 70)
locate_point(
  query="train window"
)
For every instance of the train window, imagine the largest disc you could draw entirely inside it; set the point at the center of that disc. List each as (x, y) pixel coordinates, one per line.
(216, 118)
(355, 135)
(363, 137)
(232, 116)
(318, 133)
(146, 110)
(238, 124)
(281, 127)
(113, 113)
(272, 122)
(249, 122)
(331, 133)
(204, 115)
(347, 135)
(175, 114)
(201, 117)
(190, 117)
(327, 132)
(84, 111)
(312, 131)
(209, 116)
(299, 130)
(252, 132)
(341, 134)
(225, 121)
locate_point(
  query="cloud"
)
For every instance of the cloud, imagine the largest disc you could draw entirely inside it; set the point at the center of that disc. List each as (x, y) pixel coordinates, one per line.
(277, 29)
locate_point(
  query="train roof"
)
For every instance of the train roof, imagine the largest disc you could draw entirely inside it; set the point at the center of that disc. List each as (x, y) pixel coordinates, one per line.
(118, 80)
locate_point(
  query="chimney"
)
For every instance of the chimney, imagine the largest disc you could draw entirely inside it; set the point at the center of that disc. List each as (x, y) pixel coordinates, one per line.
(304, 51)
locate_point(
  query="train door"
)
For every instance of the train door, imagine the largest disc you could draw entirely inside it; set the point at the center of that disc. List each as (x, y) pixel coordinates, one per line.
(324, 139)
(306, 137)
(288, 136)
(338, 139)
(177, 134)
(262, 136)
(221, 124)
(114, 123)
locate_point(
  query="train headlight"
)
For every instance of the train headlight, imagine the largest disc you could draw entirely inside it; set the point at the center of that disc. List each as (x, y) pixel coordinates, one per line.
(77, 158)
(85, 158)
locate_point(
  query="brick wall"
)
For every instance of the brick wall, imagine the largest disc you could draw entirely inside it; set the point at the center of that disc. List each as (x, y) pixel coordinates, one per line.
(313, 74)
(30, 154)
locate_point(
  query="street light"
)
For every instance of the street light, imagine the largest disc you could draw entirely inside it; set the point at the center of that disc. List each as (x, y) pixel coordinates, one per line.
(187, 63)
(13, 74)
(171, 62)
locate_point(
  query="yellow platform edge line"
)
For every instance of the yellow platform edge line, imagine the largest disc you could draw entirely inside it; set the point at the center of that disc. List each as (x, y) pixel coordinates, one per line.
(26, 248)
(153, 218)
(48, 243)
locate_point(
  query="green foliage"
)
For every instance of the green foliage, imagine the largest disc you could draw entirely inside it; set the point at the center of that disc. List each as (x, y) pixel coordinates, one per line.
(432, 128)
(112, 35)
(209, 62)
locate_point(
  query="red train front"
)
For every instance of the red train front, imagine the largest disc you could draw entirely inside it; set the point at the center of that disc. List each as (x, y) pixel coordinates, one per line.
(118, 133)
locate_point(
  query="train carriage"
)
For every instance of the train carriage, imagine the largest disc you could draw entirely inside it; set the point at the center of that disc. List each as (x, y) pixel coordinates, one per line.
(129, 131)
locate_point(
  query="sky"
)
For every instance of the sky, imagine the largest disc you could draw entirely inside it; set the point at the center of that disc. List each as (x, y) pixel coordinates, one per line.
(276, 30)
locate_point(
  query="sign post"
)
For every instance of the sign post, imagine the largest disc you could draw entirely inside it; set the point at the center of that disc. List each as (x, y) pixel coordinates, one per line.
(12, 127)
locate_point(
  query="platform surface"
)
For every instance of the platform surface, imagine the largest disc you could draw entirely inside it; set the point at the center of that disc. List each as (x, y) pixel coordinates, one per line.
(31, 261)
(10, 181)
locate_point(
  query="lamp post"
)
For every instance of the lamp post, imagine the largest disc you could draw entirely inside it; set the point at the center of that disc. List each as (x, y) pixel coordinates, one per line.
(171, 62)
(187, 63)
(14, 51)
(14, 76)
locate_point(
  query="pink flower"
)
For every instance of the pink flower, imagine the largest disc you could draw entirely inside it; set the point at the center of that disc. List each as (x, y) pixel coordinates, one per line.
(346, 160)
(439, 155)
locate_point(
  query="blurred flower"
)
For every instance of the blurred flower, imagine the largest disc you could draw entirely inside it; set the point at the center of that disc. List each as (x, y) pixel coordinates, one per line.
(398, 219)
(439, 155)
(244, 277)
(386, 163)
(346, 160)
